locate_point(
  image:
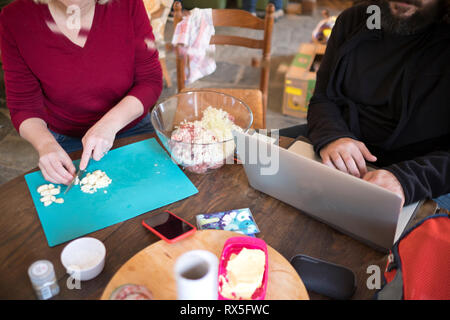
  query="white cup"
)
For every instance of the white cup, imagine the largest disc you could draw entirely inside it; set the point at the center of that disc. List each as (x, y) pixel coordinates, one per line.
(84, 258)
(196, 275)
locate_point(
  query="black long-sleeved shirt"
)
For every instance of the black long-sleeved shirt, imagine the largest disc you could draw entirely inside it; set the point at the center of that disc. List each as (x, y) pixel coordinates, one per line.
(391, 92)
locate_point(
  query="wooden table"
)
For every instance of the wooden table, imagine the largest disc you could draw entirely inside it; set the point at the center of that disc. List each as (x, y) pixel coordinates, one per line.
(284, 228)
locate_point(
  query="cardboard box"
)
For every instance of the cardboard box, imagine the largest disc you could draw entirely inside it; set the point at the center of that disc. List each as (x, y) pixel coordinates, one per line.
(300, 79)
(308, 6)
(294, 8)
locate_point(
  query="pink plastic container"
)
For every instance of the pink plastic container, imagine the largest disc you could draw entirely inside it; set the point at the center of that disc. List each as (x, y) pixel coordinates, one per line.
(235, 245)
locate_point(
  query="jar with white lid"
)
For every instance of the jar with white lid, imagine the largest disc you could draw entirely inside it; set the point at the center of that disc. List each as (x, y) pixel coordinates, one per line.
(43, 278)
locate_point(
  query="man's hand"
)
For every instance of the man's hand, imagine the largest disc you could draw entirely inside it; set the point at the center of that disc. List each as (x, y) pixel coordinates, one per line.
(96, 142)
(347, 155)
(387, 180)
(55, 164)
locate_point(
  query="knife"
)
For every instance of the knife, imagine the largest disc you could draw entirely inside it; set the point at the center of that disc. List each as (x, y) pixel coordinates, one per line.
(78, 175)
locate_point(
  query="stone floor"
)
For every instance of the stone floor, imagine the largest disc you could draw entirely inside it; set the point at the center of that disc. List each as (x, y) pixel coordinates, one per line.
(233, 70)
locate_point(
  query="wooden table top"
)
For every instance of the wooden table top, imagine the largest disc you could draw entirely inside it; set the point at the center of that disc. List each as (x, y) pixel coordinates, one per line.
(284, 228)
(157, 261)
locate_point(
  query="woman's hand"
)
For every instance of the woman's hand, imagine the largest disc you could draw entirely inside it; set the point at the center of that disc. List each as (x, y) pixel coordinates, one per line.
(100, 137)
(97, 141)
(347, 155)
(387, 180)
(55, 164)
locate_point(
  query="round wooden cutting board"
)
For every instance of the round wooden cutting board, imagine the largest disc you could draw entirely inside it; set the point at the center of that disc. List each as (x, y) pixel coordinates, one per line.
(153, 267)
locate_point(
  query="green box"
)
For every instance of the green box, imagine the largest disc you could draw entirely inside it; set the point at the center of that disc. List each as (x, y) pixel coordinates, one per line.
(300, 80)
(215, 4)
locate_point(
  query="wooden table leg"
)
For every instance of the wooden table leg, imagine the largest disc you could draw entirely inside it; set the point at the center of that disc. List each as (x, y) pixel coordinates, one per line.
(166, 75)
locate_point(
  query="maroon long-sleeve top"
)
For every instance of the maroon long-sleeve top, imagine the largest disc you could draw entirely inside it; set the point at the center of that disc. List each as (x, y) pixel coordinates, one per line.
(71, 87)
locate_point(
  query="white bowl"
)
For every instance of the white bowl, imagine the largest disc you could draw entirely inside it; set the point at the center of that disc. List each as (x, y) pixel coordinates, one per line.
(84, 258)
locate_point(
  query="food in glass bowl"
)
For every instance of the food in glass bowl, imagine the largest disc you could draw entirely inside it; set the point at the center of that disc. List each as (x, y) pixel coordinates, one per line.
(204, 144)
(196, 128)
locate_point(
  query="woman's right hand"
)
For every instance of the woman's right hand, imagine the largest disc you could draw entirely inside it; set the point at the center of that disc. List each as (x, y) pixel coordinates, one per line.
(55, 164)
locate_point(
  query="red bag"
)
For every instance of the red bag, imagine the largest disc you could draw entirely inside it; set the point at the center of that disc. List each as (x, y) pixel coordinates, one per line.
(418, 265)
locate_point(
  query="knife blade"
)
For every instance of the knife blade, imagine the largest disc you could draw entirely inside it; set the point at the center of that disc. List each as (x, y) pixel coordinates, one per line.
(78, 175)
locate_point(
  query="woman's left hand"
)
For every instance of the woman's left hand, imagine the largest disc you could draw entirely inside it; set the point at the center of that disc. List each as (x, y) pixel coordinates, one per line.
(97, 141)
(100, 137)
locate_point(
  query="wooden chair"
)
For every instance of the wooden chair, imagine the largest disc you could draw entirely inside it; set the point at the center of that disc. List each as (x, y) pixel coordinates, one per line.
(158, 12)
(256, 99)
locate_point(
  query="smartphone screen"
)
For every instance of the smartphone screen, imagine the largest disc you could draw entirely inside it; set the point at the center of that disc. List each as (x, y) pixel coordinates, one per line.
(168, 225)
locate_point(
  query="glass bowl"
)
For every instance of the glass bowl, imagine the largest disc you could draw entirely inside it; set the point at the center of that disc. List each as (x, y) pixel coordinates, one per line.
(199, 156)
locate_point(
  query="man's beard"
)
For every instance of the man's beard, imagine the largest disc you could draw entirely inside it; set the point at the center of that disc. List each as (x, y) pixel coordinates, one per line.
(423, 17)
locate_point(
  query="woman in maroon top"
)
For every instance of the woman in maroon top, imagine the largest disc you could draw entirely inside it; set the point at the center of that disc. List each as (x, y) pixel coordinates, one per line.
(78, 71)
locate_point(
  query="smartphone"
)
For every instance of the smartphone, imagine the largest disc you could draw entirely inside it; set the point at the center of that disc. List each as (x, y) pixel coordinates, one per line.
(325, 278)
(168, 226)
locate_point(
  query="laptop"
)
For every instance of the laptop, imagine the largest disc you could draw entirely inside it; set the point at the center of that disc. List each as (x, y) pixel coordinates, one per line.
(297, 176)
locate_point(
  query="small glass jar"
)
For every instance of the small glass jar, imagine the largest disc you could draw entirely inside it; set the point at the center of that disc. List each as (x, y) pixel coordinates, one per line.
(43, 278)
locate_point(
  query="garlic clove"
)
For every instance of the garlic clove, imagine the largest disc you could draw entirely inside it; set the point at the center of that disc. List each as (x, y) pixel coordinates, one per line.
(46, 198)
(42, 188)
(47, 203)
(46, 192)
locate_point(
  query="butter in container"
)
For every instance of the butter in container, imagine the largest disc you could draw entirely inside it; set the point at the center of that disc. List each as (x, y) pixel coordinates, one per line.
(243, 269)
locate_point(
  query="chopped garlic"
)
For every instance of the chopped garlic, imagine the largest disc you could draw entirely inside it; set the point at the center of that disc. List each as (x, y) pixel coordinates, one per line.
(48, 192)
(93, 181)
(219, 122)
(55, 191)
(42, 188)
(46, 198)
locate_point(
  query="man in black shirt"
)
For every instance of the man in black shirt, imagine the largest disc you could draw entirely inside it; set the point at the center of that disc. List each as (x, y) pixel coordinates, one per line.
(383, 96)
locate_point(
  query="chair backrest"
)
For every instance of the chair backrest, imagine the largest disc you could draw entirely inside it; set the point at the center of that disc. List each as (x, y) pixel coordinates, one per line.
(242, 19)
(158, 12)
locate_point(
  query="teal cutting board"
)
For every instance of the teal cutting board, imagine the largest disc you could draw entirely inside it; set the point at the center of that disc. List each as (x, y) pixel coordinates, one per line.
(143, 176)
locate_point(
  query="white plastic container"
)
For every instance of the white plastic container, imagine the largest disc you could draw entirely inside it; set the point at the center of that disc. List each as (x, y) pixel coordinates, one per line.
(43, 278)
(84, 258)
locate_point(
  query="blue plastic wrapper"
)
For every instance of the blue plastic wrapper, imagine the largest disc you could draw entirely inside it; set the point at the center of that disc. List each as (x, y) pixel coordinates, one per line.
(239, 220)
